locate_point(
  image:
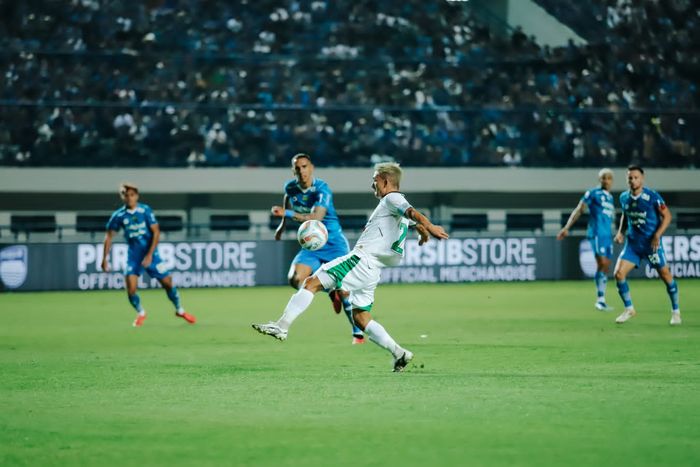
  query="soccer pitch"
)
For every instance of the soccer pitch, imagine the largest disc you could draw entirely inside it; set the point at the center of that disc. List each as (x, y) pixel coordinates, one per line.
(504, 374)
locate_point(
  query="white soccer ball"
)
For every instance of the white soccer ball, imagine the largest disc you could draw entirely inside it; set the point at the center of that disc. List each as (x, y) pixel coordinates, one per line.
(312, 235)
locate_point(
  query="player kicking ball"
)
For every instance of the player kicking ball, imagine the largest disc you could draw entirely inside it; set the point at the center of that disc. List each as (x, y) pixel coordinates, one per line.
(380, 245)
(311, 198)
(601, 206)
(142, 235)
(647, 219)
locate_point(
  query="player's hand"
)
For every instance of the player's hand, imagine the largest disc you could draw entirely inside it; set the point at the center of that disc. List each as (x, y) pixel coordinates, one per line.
(147, 261)
(619, 238)
(437, 231)
(655, 241)
(423, 232)
(105, 265)
(277, 211)
(562, 234)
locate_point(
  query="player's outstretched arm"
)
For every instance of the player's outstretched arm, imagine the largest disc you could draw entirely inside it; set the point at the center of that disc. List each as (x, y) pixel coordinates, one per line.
(106, 247)
(318, 213)
(425, 228)
(573, 217)
(155, 230)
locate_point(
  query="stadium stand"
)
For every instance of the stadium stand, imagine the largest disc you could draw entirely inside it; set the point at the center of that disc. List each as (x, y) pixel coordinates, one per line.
(166, 83)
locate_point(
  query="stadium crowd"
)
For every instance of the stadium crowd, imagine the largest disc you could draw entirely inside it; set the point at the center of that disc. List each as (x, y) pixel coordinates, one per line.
(198, 83)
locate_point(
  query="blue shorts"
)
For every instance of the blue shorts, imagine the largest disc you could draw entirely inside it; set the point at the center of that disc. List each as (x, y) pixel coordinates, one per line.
(335, 248)
(602, 246)
(635, 253)
(156, 269)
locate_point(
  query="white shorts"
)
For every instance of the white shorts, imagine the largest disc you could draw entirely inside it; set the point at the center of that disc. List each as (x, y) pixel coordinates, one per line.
(356, 273)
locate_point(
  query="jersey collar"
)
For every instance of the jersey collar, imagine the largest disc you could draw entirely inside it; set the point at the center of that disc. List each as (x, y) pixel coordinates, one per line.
(304, 190)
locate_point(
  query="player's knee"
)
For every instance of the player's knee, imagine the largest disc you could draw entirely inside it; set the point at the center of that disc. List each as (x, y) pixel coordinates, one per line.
(361, 318)
(312, 284)
(294, 281)
(620, 275)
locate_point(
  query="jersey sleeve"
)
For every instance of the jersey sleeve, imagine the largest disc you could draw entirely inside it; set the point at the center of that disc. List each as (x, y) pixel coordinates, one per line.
(325, 198)
(150, 217)
(113, 222)
(658, 201)
(397, 204)
(587, 198)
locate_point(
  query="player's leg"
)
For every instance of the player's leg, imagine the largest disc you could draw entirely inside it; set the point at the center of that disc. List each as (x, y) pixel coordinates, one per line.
(357, 336)
(377, 333)
(601, 281)
(131, 284)
(671, 287)
(174, 296)
(297, 304)
(298, 272)
(622, 269)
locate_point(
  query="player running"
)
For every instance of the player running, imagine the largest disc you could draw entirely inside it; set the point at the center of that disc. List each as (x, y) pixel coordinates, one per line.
(142, 234)
(358, 272)
(311, 198)
(647, 219)
(601, 206)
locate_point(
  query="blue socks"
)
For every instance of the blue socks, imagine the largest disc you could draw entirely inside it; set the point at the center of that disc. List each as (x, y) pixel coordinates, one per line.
(601, 282)
(347, 306)
(672, 290)
(624, 290)
(135, 301)
(174, 297)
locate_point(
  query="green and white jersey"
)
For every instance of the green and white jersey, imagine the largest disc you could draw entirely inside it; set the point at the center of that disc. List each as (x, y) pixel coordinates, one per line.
(385, 234)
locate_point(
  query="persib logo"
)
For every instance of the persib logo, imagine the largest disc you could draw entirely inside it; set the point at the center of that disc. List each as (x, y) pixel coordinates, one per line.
(14, 262)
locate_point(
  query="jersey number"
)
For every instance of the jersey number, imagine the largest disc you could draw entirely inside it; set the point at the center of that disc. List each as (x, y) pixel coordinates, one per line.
(397, 246)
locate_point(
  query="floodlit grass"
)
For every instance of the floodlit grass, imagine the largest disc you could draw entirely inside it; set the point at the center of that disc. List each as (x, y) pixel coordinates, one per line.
(526, 374)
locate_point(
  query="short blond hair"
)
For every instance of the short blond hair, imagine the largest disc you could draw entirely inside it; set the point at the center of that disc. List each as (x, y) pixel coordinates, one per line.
(604, 172)
(126, 186)
(390, 171)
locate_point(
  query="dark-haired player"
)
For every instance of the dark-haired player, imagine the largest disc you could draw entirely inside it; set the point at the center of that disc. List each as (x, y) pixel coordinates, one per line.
(142, 234)
(307, 197)
(647, 218)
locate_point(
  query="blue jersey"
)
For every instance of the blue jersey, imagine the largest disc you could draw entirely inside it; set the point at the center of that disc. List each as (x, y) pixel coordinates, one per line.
(642, 214)
(318, 194)
(601, 207)
(136, 224)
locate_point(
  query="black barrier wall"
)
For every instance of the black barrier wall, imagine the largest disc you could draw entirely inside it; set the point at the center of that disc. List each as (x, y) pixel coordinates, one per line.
(76, 266)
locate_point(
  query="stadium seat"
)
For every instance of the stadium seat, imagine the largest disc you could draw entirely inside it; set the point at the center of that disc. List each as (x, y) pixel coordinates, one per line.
(170, 223)
(225, 222)
(532, 221)
(476, 222)
(688, 220)
(90, 224)
(35, 223)
(353, 221)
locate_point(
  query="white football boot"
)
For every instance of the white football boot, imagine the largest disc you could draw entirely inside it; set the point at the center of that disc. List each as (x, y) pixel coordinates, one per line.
(626, 315)
(271, 329)
(675, 319)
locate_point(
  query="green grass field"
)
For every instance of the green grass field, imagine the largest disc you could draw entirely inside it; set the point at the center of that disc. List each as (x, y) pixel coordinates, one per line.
(526, 374)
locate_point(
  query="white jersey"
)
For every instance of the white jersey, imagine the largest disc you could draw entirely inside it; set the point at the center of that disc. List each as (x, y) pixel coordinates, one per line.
(385, 234)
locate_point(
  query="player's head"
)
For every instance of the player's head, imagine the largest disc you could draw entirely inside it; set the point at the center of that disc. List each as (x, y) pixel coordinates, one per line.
(303, 169)
(386, 178)
(635, 177)
(605, 177)
(130, 194)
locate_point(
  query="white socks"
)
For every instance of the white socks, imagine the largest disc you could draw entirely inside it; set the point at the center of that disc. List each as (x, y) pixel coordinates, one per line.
(299, 302)
(379, 336)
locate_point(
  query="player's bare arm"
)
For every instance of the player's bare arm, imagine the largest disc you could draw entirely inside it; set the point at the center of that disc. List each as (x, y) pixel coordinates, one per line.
(283, 220)
(155, 229)
(107, 247)
(666, 217)
(317, 213)
(425, 228)
(573, 217)
(620, 235)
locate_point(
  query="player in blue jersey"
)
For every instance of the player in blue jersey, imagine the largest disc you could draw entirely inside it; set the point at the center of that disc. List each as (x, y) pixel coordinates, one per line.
(142, 234)
(307, 197)
(646, 217)
(601, 208)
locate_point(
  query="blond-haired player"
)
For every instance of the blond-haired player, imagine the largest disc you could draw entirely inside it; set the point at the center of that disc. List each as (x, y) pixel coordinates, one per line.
(380, 245)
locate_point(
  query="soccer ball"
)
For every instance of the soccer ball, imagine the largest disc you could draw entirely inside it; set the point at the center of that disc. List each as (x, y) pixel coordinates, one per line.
(312, 235)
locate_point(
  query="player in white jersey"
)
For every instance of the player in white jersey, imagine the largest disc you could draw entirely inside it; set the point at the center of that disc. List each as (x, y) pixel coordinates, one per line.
(359, 272)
